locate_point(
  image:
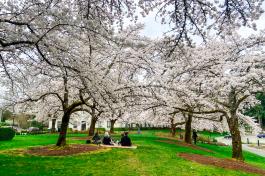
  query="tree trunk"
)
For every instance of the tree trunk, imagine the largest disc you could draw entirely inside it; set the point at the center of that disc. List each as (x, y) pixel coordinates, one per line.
(53, 125)
(173, 127)
(236, 138)
(187, 138)
(112, 122)
(173, 130)
(1, 116)
(92, 126)
(62, 136)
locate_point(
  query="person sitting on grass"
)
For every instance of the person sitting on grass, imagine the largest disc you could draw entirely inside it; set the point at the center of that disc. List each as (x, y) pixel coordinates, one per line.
(107, 139)
(96, 138)
(125, 140)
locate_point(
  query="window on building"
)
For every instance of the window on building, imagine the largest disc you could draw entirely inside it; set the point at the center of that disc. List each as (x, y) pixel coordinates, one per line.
(75, 125)
(108, 124)
(83, 125)
(99, 124)
(59, 123)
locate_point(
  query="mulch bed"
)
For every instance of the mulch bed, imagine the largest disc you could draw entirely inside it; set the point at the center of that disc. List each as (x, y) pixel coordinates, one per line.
(62, 151)
(223, 163)
(180, 143)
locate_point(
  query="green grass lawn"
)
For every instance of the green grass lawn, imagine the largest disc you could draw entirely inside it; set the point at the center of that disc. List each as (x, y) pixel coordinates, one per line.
(150, 158)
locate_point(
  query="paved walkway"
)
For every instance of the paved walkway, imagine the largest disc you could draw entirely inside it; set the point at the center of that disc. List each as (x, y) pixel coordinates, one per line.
(245, 147)
(259, 152)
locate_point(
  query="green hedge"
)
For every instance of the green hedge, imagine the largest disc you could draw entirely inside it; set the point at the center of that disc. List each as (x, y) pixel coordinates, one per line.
(3, 124)
(6, 134)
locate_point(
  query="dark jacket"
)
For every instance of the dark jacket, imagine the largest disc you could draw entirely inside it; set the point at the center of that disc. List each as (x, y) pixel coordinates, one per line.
(126, 141)
(194, 135)
(106, 141)
(96, 138)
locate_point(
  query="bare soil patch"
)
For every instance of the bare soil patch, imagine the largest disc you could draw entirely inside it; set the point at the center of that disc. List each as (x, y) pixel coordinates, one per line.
(223, 163)
(63, 151)
(180, 143)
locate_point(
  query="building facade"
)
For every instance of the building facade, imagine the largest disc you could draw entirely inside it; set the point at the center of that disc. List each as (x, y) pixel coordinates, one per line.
(84, 124)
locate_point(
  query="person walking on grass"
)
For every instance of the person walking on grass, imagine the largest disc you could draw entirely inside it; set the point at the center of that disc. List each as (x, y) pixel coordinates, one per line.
(194, 136)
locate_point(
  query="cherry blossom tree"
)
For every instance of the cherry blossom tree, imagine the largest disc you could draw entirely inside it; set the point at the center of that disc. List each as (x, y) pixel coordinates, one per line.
(35, 29)
(112, 65)
(72, 56)
(228, 84)
(210, 83)
(47, 38)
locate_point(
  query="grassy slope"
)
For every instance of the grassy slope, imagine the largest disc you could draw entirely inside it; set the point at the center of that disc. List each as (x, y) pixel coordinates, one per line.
(151, 158)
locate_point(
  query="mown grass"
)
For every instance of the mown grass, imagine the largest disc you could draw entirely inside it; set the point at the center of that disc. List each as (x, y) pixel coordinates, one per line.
(151, 158)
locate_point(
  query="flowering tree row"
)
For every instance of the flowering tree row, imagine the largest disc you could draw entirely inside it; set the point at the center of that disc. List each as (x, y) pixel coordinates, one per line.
(59, 57)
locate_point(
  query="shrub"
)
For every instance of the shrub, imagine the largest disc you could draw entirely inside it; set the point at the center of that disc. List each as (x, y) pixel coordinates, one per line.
(37, 124)
(203, 139)
(3, 124)
(6, 134)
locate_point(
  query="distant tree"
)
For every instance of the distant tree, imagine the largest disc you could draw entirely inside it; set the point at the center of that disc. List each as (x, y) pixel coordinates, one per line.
(258, 111)
(6, 115)
(23, 120)
(37, 124)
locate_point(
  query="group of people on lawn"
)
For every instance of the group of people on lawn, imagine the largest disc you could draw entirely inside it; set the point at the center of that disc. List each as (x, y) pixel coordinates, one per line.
(107, 140)
(125, 140)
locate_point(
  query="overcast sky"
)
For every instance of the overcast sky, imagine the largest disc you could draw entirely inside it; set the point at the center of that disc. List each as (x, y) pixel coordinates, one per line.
(154, 29)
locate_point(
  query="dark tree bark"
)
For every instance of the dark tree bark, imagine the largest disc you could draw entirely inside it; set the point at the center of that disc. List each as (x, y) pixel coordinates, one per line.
(95, 114)
(232, 120)
(112, 122)
(62, 136)
(187, 137)
(92, 126)
(236, 138)
(173, 127)
(66, 116)
(68, 110)
(173, 130)
(53, 125)
(65, 121)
